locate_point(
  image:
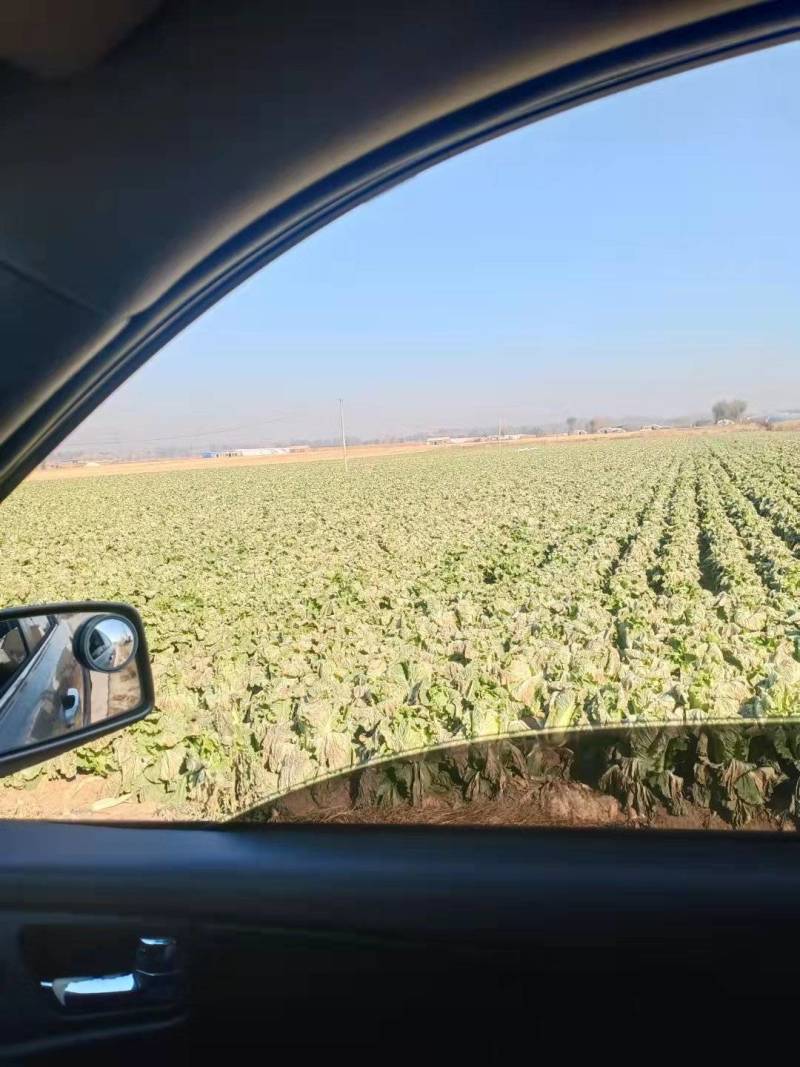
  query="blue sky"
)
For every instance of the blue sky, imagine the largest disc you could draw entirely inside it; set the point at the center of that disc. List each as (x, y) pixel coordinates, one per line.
(638, 255)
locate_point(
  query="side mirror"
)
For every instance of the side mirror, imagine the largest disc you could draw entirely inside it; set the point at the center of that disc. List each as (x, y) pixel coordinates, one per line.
(68, 673)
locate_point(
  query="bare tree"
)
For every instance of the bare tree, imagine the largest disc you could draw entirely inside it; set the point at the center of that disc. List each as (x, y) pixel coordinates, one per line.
(596, 424)
(729, 409)
(572, 422)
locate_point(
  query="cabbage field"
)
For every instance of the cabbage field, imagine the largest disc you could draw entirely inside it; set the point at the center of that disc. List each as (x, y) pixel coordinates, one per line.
(302, 620)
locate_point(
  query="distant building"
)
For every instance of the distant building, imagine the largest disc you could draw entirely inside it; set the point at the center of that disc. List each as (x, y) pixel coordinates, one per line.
(437, 441)
(272, 450)
(233, 453)
(612, 429)
(724, 422)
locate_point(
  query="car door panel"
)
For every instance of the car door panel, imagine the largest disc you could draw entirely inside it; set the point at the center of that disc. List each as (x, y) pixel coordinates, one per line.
(309, 937)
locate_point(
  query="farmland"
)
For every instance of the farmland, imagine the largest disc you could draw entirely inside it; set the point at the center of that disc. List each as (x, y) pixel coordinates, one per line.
(302, 620)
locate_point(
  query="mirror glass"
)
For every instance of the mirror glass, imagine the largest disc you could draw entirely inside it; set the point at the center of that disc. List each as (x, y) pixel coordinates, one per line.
(107, 643)
(63, 673)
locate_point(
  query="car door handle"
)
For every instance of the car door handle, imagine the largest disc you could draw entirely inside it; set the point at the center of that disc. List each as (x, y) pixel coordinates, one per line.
(71, 706)
(154, 981)
(93, 994)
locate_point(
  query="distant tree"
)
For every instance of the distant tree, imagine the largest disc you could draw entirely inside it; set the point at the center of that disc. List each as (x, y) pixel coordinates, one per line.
(572, 422)
(729, 409)
(596, 424)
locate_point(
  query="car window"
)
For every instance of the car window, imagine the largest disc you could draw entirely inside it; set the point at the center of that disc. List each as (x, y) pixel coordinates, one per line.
(35, 628)
(12, 651)
(486, 495)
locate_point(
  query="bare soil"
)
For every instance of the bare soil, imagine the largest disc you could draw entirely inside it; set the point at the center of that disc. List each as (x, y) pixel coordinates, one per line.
(554, 804)
(86, 798)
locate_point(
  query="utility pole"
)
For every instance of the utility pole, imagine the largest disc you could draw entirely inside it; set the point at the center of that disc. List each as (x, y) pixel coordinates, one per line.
(499, 433)
(344, 439)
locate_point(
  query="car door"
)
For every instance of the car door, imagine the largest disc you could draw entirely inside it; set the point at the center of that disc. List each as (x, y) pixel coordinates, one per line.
(179, 936)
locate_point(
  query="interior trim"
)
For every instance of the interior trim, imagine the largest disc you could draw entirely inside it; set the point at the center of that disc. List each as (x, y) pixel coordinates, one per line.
(492, 885)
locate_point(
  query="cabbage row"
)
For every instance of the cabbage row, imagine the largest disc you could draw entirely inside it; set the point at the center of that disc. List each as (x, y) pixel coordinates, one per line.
(303, 621)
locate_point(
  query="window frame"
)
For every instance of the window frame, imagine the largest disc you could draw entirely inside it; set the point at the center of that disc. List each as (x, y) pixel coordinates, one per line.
(32, 654)
(20, 667)
(33, 649)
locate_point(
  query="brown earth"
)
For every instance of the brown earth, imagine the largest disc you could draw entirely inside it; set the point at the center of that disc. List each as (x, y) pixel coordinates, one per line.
(550, 804)
(155, 466)
(86, 798)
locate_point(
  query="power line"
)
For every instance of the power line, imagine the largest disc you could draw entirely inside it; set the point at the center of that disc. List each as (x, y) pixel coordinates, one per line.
(181, 437)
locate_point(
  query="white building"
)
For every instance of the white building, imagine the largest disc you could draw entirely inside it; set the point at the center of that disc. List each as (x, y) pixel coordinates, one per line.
(234, 452)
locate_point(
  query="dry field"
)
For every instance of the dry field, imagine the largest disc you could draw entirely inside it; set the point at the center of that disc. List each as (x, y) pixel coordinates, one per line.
(374, 451)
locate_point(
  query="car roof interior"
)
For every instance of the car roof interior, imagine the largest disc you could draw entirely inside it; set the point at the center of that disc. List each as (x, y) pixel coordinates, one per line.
(156, 154)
